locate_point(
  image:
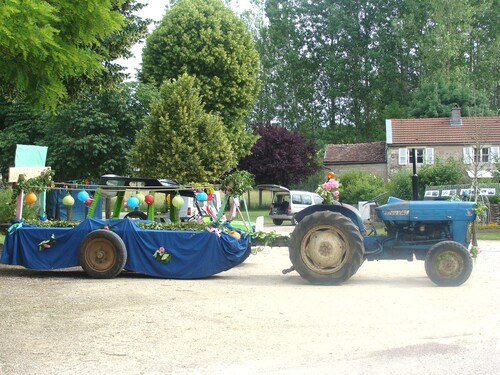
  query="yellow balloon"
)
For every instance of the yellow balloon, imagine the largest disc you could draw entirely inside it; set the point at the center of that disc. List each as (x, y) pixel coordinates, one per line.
(177, 201)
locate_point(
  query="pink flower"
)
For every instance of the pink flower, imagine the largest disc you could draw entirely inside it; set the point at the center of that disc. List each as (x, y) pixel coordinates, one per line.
(336, 193)
(161, 249)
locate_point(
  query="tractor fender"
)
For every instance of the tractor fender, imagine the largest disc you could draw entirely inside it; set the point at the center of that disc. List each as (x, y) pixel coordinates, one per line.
(345, 209)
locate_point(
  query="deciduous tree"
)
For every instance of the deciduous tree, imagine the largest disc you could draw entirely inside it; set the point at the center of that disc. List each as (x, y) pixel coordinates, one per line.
(280, 157)
(54, 48)
(206, 40)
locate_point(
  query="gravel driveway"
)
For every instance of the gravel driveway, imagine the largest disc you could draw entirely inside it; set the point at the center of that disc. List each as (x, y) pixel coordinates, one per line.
(388, 319)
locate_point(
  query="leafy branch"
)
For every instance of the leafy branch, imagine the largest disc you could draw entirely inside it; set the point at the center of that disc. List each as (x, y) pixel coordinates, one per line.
(238, 183)
(33, 185)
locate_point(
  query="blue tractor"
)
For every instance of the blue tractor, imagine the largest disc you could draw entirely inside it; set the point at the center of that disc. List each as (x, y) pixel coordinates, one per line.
(330, 242)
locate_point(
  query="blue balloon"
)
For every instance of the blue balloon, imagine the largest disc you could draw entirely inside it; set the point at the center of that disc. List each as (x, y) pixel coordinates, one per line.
(201, 196)
(83, 196)
(133, 202)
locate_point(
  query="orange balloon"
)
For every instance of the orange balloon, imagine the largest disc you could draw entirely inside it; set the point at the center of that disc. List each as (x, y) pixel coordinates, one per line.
(168, 198)
(30, 198)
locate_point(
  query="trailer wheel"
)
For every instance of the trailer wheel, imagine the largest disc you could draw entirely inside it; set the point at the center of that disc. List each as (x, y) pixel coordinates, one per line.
(102, 254)
(277, 221)
(448, 263)
(326, 248)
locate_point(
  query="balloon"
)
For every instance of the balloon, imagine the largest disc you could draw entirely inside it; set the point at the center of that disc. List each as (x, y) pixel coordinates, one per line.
(83, 196)
(235, 234)
(140, 196)
(201, 196)
(149, 199)
(30, 198)
(68, 200)
(167, 198)
(133, 202)
(89, 201)
(177, 201)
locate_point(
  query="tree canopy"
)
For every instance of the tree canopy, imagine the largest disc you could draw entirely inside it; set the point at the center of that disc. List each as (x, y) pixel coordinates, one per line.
(280, 157)
(54, 48)
(206, 40)
(335, 70)
(181, 140)
(85, 138)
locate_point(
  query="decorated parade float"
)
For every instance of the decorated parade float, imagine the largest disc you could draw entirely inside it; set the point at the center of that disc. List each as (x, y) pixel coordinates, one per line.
(203, 245)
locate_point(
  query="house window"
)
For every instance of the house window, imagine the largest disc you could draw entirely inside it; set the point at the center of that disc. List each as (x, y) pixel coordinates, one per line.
(423, 156)
(481, 155)
(419, 153)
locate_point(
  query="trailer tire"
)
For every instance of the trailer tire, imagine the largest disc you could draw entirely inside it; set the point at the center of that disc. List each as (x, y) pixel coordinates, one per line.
(102, 254)
(277, 221)
(448, 263)
(326, 248)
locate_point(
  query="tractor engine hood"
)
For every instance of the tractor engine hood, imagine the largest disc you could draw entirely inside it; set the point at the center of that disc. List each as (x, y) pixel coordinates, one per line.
(398, 210)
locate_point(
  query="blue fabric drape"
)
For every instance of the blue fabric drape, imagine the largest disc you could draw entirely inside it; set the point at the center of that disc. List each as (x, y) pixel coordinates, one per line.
(194, 254)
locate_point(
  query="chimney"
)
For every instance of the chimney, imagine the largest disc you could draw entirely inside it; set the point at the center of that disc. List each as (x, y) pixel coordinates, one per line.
(456, 116)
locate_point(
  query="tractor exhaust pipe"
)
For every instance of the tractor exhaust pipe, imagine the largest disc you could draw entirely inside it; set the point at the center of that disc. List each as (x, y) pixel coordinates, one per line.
(414, 177)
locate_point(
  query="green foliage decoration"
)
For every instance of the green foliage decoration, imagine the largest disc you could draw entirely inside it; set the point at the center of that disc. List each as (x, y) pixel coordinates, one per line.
(33, 185)
(238, 183)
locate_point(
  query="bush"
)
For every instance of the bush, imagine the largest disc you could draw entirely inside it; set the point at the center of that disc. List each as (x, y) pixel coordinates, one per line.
(399, 185)
(450, 172)
(7, 207)
(495, 199)
(359, 186)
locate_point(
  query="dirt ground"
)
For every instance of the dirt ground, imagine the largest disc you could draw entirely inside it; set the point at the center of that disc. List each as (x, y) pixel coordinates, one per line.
(387, 319)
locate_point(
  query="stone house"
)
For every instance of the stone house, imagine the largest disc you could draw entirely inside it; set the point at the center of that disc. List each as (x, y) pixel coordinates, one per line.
(475, 141)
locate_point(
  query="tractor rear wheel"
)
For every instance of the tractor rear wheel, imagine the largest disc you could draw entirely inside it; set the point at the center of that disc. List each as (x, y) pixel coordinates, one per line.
(326, 248)
(448, 263)
(103, 254)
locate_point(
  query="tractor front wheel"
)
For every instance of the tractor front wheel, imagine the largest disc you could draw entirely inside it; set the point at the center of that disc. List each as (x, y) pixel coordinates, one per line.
(326, 248)
(448, 263)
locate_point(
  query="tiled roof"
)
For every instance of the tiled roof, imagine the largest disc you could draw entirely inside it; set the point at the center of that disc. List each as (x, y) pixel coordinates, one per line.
(426, 131)
(358, 153)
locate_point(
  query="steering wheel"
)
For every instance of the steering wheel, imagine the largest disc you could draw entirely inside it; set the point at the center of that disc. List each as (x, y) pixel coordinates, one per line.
(375, 199)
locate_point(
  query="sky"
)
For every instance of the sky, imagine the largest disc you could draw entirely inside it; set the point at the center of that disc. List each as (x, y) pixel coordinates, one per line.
(155, 9)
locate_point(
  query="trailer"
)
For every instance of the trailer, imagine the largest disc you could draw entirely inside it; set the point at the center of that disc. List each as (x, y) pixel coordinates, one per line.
(106, 247)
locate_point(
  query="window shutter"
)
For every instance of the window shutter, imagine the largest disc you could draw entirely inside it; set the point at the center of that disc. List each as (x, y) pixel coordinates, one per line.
(429, 156)
(468, 155)
(403, 156)
(495, 155)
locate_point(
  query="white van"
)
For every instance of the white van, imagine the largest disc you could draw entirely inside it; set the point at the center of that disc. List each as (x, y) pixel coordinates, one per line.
(209, 207)
(286, 203)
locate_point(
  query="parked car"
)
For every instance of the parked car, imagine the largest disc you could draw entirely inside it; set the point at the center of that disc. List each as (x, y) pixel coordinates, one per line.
(286, 203)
